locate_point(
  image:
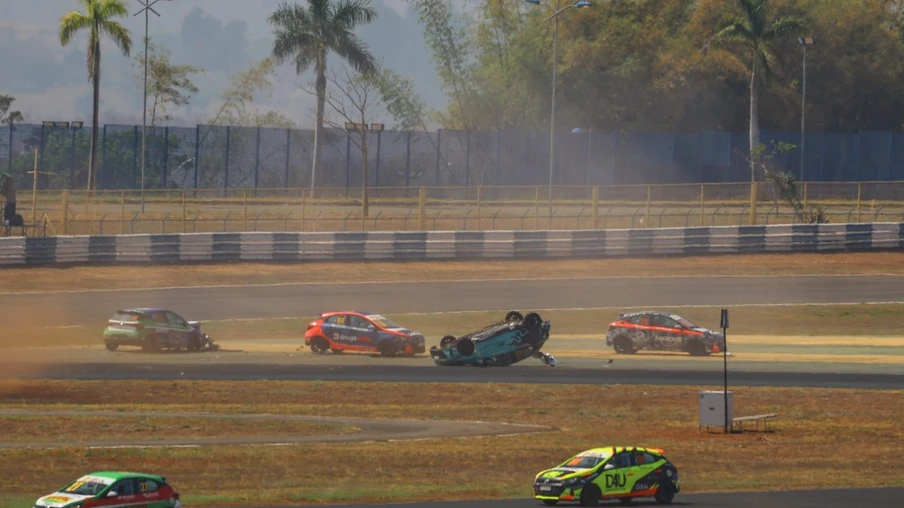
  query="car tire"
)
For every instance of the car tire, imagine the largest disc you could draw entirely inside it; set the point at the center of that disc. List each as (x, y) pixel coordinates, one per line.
(533, 321)
(513, 316)
(665, 493)
(591, 495)
(697, 348)
(466, 347)
(194, 343)
(447, 341)
(149, 345)
(319, 346)
(623, 345)
(111, 346)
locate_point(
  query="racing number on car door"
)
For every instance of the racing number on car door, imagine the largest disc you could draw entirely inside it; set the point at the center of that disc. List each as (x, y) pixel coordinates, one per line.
(364, 331)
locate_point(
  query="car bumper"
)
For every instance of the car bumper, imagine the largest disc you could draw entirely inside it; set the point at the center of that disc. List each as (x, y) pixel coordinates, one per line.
(123, 341)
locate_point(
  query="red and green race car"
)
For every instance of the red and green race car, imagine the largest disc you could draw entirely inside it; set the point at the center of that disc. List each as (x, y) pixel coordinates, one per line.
(612, 472)
(112, 489)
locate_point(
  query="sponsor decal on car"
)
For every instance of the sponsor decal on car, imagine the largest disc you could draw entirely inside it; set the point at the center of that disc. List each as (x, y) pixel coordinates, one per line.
(55, 500)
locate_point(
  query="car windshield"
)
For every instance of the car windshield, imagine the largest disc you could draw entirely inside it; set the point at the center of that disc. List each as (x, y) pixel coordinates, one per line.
(585, 461)
(684, 322)
(382, 321)
(87, 486)
(126, 316)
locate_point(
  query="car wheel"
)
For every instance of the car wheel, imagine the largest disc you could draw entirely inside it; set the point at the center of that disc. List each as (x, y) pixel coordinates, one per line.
(447, 341)
(591, 495)
(623, 345)
(697, 348)
(550, 502)
(319, 346)
(665, 493)
(513, 316)
(466, 347)
(111, 346)
(194, 343)
(149, 345)
(533, 321)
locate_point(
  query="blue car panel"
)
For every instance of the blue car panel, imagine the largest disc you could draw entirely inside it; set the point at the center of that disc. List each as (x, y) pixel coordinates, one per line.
(500, 344)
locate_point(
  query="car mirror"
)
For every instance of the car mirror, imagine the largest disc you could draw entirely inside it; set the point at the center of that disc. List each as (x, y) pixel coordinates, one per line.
(371, 327)
(608, 466)
(112, 493)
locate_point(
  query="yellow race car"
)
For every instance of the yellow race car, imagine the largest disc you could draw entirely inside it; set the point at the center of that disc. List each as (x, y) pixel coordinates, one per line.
(612, 472)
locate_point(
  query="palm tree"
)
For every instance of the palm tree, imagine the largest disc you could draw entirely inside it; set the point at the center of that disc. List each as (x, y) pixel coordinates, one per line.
(308, 35)
(97, 19)
(758, 35)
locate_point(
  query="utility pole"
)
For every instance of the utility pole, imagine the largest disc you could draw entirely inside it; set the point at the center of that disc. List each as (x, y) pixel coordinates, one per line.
(147, 8)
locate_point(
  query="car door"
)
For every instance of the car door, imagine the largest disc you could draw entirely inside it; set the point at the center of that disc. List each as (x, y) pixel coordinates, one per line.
(151, 495)
(338, 330)
(365, 332)
(667, 333)
(122, 493)
(615, 477)
(179, 329)
(162, 329)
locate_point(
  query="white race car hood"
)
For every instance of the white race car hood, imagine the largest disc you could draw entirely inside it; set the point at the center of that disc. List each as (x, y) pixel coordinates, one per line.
(60, 499)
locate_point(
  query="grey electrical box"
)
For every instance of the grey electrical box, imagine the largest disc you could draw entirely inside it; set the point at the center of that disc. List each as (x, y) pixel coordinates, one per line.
(712, 408)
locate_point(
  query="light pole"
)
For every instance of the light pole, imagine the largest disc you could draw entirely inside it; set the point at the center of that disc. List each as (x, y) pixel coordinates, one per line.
(805, 43)
(578, 4)
(147, 8)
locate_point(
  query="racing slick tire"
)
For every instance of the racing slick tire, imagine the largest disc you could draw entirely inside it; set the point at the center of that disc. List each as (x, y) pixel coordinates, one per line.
(533, 321)
(591, 495)
(194, 343)
(149, 345)
(623, 345)
(466, 347)
(111, 346)
(513, 316)
(697, 348)
(447, 341)
(665, 493)
(319, 345)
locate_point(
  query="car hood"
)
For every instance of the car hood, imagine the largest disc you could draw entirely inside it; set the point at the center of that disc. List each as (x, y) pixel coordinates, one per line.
(562, 472)
(60, 499)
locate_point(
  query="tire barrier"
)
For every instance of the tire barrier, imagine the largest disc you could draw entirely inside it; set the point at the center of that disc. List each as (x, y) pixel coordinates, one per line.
(379, 245)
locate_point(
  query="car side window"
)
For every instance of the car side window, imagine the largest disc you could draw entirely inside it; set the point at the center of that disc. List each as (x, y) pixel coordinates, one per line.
(175, 320)
(359, 322)
(639, 320)
(621, 460)
(124, 487)
(340, 320)
(160, 317)
(645, 458)
(146, 485)
(664, 322)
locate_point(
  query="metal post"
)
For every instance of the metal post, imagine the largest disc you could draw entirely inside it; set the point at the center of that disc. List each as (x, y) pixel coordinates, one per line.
(377, 167)
(803, 117)
(257, 159)
(288, 155)
(197, 152)
(135, 159)
(147, 10)
(407, 165)
(552, 115)
(439, 134)
(724, 325)
(34, 189)
(226, 169)
(165, 157)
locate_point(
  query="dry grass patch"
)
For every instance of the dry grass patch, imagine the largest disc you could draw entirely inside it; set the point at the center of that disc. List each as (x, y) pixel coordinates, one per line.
(813, 423)
(75, 429)
(111, 277)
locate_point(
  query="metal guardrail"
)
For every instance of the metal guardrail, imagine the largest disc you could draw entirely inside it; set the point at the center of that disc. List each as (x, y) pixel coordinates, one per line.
(225, 247)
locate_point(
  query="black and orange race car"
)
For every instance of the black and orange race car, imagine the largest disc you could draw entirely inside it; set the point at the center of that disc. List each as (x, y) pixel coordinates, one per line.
(660, 331)
(361, 331)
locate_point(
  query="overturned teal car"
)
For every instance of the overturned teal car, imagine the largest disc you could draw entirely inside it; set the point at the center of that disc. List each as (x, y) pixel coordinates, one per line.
(500, 344)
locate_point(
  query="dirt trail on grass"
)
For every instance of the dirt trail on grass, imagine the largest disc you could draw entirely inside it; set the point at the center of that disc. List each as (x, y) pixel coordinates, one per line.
(370, 430)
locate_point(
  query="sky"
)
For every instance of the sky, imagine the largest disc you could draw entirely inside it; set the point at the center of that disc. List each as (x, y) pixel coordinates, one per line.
(223, 36)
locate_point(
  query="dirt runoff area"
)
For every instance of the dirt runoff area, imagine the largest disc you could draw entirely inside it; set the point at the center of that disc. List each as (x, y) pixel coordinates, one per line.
(118, 277)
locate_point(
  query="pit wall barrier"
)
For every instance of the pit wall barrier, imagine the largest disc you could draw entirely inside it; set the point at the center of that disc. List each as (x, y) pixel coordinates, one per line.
(226, 247)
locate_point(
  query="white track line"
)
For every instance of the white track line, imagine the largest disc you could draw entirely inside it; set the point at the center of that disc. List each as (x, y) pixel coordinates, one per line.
(459, 281)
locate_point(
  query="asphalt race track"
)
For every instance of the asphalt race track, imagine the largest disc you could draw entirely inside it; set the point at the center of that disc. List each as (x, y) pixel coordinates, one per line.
(306, 300)
(434, 374)
(827, 498)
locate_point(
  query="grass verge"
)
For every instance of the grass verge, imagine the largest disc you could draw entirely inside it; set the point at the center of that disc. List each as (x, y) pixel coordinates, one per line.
(115, 277)
(74, 429)
(782, 323)
(809, 446)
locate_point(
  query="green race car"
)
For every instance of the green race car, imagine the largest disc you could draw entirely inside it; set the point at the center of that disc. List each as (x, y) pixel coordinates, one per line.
(613, 472)
(153, 330)
(112, 489)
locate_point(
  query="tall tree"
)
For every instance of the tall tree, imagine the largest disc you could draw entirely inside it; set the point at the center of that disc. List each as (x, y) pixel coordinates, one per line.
(758, 35)
(98, 18)
(308, 35)
(7, 116)
(168, 84)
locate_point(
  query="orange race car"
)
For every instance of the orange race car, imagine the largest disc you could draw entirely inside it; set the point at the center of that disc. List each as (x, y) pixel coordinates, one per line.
(659, 331)
(361, 331)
